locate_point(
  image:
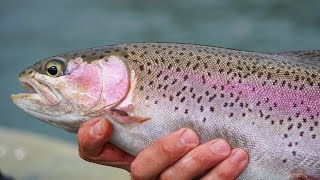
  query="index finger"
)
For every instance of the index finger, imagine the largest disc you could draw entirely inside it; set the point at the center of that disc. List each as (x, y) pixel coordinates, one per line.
(163, 153)
(93, 138)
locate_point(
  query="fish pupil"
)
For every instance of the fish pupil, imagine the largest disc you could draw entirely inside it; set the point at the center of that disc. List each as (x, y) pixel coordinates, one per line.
(53, 70)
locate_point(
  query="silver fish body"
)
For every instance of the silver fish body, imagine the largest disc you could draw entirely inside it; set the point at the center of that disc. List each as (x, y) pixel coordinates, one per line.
(267, 104)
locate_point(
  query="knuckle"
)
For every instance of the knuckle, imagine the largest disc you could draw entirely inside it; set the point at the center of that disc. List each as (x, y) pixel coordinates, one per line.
(82, 130)
(167, 174)
(167, 149)
(164, 176)
(83, 155)
(201, 158)
(221, 175)
(222, 156)
(136, 171)
(83, 140)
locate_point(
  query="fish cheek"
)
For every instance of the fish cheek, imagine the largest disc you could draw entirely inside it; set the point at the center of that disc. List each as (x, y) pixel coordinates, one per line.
(116, 80)
(90, 88)
(82, 91)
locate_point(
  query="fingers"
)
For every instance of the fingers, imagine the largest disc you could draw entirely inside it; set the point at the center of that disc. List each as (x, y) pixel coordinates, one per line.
(200, 159)
(93, 143)
(230, 168)
(93, 135)
(177, 155)
(163, 153)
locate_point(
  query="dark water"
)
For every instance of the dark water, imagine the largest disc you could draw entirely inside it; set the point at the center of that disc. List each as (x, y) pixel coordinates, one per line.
(35, 29)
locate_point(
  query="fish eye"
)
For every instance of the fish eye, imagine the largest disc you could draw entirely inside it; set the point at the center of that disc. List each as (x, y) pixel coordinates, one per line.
(54, 68)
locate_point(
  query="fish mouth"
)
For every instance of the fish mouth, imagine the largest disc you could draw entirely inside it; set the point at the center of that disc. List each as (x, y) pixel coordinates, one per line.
(39, 92)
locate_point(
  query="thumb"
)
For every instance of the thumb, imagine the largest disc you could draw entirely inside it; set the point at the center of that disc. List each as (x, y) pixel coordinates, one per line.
(92, 136)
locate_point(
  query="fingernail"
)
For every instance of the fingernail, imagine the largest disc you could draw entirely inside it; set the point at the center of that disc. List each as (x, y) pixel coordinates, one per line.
(97, 128)
(188, 138)
(219, 146)
(238, 156)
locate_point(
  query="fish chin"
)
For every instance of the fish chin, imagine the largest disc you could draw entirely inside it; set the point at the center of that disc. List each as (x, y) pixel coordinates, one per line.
(44, 102)
(59, 116)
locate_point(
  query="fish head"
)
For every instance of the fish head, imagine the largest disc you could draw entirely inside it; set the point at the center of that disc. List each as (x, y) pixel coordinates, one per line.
(67, 91)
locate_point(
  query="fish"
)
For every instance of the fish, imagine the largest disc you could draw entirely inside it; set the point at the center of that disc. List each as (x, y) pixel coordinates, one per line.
(265, 103)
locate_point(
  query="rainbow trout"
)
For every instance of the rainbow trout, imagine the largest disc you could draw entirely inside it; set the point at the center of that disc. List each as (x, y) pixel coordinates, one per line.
(268, 104)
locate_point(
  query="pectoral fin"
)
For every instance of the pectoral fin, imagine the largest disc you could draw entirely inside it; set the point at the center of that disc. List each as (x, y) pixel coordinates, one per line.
(125, 118)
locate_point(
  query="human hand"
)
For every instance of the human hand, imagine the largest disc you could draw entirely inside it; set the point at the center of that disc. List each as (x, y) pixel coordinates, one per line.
(176, 156)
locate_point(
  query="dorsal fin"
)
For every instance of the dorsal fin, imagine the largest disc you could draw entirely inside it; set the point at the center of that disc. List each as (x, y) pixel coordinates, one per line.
(309, 56)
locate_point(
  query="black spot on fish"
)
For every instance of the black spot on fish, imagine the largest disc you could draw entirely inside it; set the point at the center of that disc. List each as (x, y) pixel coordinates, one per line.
(150, 83)
(184, 88)
(201, 108)
(301, 133)
(141, 67)
(211, 109)
(195, 66)
(204, 120)
(159, 74)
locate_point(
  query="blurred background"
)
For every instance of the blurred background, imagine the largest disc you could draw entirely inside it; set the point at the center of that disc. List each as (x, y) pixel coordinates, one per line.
(35, 29)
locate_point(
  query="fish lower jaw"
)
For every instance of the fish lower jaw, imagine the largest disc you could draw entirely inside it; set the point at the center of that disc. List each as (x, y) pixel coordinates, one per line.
(37, 89)
(29, 99)
(22, 99)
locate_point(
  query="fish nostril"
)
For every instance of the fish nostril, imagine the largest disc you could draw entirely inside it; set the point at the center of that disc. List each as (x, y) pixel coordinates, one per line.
(22, 73)
(25, 72)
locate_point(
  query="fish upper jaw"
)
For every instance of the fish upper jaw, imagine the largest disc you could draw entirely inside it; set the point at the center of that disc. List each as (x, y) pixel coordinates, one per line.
(39, 91)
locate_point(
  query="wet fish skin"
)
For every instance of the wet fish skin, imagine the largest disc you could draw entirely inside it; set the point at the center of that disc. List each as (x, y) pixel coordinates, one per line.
(267, 104)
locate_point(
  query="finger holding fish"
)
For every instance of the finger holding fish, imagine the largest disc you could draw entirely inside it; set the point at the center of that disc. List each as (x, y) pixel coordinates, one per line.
(93, 143)
(177, 155)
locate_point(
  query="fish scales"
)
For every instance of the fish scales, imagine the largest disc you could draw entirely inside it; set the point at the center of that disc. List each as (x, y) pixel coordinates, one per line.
(244, 92)
(267, 104)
